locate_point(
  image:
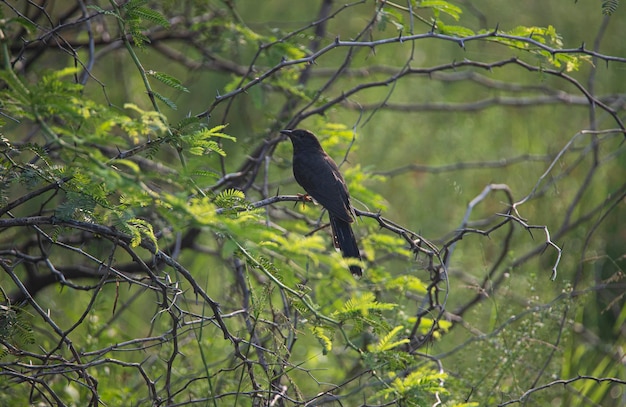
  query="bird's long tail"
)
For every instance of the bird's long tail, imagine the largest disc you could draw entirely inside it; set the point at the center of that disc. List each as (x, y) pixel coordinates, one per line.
(345, 240)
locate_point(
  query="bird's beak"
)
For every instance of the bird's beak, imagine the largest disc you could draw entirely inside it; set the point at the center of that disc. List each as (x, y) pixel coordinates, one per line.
(287, 132)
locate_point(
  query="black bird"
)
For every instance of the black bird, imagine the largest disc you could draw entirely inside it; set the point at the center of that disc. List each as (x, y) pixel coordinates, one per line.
(319, 175)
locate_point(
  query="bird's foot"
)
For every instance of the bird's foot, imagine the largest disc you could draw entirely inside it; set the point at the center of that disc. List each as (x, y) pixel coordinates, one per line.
(305, 197)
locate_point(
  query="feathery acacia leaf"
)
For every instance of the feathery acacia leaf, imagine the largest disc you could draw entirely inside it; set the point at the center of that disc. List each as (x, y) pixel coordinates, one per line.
(609, 7)
(168, 80)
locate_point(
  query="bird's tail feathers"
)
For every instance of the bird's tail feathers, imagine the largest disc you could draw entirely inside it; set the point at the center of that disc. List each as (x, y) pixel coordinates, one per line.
(345, 240)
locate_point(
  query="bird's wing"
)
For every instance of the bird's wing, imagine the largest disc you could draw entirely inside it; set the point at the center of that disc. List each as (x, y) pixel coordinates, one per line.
(326, 186)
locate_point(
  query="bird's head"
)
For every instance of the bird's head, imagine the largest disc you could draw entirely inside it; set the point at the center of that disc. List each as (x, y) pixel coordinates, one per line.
(302, 139)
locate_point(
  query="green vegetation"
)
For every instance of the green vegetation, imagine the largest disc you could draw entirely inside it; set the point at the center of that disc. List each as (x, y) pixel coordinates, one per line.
(154, 250)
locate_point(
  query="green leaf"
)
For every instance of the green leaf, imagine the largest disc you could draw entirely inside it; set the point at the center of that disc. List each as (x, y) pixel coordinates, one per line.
(324, 340)
(416, 386)
(454, 30)
(388, 15)
(196, 150)
(442, 6)
(385, 344)
(135, 10)
(165, 100)
(28, 25)
(150, 15)
(408, 282)
(544, 35)
(140, 228)
(230, 198)
(168, 80)
(201, 143)
(609, 7)
(362, 305)
(130, 164)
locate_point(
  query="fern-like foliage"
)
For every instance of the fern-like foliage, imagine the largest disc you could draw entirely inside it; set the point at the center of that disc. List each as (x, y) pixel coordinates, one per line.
(415, 388)
(386, 342)
(609, 7)
(363, 305)
(230, 198)
(202, 142)
(169, 102)
(441, 6)
(139, 229)
(323, 336)
(14, 328)
(364, 310)
(270, 267)
(168, 80)
(544, 35)
(135, 14)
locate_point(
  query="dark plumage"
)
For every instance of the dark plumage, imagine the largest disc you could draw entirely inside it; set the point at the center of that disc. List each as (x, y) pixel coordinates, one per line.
(319, 175)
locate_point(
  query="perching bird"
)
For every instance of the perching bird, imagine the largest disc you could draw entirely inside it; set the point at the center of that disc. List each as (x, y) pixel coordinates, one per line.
(319, 175)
